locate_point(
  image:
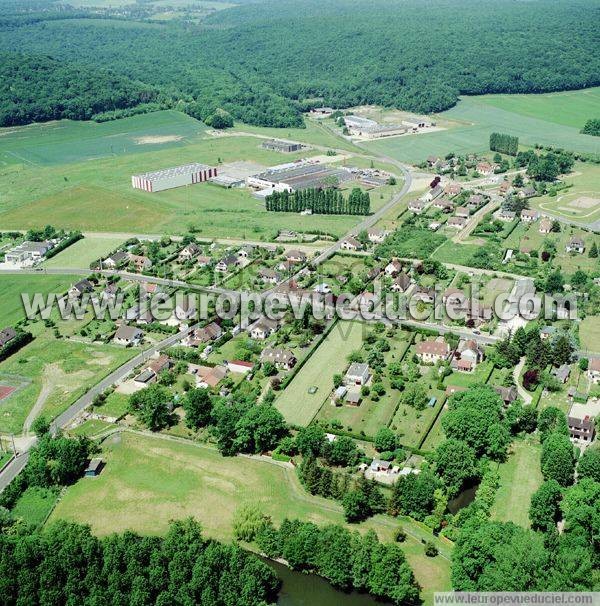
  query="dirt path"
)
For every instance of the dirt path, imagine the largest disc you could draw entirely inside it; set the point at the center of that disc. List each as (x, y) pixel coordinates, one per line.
(37, 407)
(522, 392)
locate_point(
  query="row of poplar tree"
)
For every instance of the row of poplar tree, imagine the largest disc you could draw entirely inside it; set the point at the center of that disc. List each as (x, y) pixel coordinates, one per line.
(320, 202)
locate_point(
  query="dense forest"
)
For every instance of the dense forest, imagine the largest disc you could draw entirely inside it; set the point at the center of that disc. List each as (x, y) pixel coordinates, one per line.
(66, 564)
(265, 62)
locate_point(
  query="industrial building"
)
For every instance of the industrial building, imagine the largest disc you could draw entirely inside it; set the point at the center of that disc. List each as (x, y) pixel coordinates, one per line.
(168, 178)
(292, 177)
(281, 146)
(359, 122)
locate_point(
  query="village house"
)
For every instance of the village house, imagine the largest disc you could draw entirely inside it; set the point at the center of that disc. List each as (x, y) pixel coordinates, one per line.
(463, 212)
(227, 264)
(115, 261)
(240, 366)
(208, 376)
(203, 261)
(457, 222)
(357, 374)
(263, 328)
(189, 252)
(110, 292)
(433, 193)
(270, 276)
(527, 192)
(507, 394)
(140, 262)
(444, 205)
(393, 268)
(7, 335)
(432, 161)
(128, 335)
(467, 356)
(562, 373)
(545, 226)
(475, 201)
(453, 296)
(246, 252)
(206, 334)
(185, 309)
(79, 288)
(485, 168)
(424, 294)
(283, 359)
(295, 256)
(453, 189)
(581, 421)
(430, 352)
(547, 332)
(506, 215)
(151, 372)
(593, 371)
(376, 236)
(401, 283)
(350, 243)
(529, 215)
(416, 206)
(576, 244)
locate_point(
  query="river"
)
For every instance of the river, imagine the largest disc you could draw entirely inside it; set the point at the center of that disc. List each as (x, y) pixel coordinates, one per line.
(299, 589)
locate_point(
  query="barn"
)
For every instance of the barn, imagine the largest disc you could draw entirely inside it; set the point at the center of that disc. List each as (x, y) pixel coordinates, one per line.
(168, 178)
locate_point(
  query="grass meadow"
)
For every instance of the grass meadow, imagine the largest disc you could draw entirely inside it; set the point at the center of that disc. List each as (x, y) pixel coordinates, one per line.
(520, 477)
(148, 481)
(34, 505)
(56, 373)
(549, 119)
(295, 403)
(589, 333)
(83, 252)
(12, 286)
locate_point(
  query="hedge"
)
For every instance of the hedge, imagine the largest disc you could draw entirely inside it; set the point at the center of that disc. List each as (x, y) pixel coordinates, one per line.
(22, 339)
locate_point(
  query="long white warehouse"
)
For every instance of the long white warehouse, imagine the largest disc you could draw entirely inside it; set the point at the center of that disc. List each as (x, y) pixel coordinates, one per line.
(168, 178)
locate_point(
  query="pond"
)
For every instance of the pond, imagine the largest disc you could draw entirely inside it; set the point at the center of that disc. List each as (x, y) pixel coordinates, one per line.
(463, 499)
(299, 589)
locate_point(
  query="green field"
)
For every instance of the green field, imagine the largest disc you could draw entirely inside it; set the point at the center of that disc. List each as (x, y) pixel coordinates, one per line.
(12, 286)
(83, 252)
(577, 201)
(34, 505)
(190, 479)
(520, 477)
(476, 117)
(97, 195)
(589, 333)
(59, 372)
(65, 141)
(295, 403)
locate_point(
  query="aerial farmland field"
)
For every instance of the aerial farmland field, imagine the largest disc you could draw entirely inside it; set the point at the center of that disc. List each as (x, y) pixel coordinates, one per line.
(528, 117)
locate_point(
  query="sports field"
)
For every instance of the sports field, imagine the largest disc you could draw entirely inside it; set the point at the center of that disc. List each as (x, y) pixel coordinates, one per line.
(84, 252)
(148, 481)
(12, 286)
(297, 405)
(520, 477)
(580, 201)
(526, 116)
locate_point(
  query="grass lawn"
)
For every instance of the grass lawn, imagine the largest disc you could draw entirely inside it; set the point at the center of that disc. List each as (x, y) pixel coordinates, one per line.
(12, 286)
(114, 406)
(59, 372)
(478, 116)
(436, 436)
(520, 477)
(83, 252)
(90, 428)
(295, 403)
(193, 480)
(466, 379)
(34, 505)
(370, 415)
(589, 333)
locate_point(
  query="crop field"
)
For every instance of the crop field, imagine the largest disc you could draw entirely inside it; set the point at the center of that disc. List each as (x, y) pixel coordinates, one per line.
(67, 141)
(83, 252)
(58, 372)
(195, 480)
(571, 108)
(295, 403)
(520, 477)
(12, 286)
(478, 116)
(97, 196)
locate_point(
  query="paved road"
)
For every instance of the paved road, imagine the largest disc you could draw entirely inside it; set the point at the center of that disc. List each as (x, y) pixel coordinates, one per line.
(16, 466)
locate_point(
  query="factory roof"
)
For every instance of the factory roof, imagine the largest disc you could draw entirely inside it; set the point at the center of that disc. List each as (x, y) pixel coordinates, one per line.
(167, 173)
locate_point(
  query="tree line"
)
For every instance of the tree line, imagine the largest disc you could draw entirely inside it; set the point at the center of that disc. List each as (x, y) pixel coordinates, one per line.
(504, 144)
(326, 201)
(66, 564)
